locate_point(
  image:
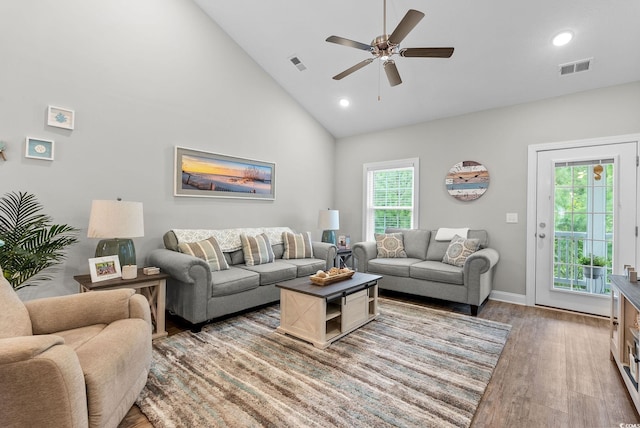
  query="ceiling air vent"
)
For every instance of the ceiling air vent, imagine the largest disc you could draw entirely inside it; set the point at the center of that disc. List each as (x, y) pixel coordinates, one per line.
(575, 67)
(296, 61)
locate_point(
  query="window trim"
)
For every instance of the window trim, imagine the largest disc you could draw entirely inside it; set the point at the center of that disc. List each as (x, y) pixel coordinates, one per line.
(394, 164)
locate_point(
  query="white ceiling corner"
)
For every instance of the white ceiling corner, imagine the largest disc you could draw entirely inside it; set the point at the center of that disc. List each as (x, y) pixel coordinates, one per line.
(503, 54)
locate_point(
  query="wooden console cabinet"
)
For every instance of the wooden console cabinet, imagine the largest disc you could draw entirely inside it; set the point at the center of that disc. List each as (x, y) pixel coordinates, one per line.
(625, 339)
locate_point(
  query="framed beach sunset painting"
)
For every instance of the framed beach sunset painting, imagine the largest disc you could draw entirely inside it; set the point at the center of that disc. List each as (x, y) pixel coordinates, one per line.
(204, 174)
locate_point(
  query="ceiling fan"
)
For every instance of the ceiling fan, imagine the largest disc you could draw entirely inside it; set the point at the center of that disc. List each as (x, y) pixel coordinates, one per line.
(385, 46)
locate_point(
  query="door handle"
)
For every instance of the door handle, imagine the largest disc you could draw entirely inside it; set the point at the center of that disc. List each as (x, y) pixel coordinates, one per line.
(541, 235)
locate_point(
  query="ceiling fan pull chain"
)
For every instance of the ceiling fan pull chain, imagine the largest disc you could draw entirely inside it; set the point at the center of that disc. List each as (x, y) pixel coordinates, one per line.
(379, 78)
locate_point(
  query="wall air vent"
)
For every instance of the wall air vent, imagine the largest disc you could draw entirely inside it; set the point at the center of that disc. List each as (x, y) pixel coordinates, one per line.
(575, 66)
(296, 61)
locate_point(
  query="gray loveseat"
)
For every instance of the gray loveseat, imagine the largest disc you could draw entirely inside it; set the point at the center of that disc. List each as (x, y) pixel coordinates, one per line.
(198, 294)
(423, 273)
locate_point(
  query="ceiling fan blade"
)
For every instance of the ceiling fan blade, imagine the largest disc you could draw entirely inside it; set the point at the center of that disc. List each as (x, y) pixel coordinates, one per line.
(350, 70)
(392, 73)
(409, 21)
(346, 42)
(427, 52)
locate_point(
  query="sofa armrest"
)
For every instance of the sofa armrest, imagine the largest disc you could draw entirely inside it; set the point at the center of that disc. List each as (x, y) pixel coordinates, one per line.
(60, 313)
(21, 348)
(478, 274)
(189, 288)
(480, 262)
(325, 251)
(179, 265)
(33, 369)
(363, 252)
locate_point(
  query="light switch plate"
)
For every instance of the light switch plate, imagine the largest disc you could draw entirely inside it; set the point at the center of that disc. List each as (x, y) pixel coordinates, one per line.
(512, 217)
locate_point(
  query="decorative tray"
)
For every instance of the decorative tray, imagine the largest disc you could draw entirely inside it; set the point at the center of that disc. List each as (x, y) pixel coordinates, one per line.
(331, 279)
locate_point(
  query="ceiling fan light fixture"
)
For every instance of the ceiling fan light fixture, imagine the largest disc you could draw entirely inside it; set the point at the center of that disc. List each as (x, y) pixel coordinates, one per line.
(385, 46)
(562, 38)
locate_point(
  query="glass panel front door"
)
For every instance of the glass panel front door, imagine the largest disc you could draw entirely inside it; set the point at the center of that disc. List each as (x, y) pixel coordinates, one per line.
(583, 220)
(585, 196)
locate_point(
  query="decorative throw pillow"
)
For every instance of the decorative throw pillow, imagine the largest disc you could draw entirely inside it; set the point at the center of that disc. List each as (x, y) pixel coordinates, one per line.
(390, 245)
(207, 250)
(256, 249)
(459, 249)
(297, 245)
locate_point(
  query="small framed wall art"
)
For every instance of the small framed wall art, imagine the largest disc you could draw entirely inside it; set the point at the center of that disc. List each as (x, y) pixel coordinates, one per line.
(39, 148)
(61, 117)
(104, 268)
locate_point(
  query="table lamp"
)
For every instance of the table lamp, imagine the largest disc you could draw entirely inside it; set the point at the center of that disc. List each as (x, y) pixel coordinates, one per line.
(116, 222)
(329, 222)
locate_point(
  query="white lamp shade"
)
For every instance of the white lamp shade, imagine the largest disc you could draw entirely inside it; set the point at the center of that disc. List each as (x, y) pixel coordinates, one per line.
(115, 219)
(329, 220)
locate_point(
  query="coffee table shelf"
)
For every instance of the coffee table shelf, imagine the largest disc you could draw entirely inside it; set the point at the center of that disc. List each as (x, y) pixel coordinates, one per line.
(323, 314)
(333, 311)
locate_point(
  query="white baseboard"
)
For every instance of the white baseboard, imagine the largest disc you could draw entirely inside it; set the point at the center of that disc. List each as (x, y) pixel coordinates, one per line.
(505, 296)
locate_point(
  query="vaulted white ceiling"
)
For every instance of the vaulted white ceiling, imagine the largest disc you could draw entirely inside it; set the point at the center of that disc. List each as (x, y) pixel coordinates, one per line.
(503, 54)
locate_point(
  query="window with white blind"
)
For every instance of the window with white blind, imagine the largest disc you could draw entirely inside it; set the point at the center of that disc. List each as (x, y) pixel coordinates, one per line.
(391, 195)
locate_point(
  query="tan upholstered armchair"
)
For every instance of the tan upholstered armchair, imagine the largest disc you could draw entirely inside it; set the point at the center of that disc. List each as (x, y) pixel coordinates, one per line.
(72, 361)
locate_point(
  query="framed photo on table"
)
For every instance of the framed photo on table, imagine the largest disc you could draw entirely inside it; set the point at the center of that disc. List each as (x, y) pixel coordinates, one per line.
(344, 242)
(104, 268)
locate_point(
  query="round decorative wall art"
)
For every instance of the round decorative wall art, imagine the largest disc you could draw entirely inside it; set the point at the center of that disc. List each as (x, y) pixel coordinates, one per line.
(467, 180)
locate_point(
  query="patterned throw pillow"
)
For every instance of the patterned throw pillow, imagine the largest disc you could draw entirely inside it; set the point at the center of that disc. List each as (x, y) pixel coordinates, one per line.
(207, 250)
(390, 245)
(459, 249)
(297, 245)
(257, 249)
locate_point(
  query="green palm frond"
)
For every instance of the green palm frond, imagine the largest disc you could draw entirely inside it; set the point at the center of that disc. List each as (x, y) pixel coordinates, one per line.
(31, 242)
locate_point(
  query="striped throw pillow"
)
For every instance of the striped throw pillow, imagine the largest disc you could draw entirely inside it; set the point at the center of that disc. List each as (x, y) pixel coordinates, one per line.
(297, 245)
(207, 250)
(257, 249)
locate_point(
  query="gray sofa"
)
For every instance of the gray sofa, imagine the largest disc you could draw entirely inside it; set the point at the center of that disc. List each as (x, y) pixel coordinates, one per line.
(423, 273)
(198, 294)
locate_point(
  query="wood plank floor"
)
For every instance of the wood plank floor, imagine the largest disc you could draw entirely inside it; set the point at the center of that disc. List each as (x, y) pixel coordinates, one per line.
(554, 371)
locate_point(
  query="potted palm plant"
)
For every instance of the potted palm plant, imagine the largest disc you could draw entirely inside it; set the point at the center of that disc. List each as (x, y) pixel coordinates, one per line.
(592, 266)
(29, 241)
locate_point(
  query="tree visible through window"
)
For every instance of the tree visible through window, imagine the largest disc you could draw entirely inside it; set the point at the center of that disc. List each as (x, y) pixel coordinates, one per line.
(391, 189)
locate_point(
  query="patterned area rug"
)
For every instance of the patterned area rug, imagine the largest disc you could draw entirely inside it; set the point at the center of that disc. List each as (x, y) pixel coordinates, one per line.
(411, 367)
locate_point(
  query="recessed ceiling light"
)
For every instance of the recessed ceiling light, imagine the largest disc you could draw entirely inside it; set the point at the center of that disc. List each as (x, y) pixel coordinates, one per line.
(344, 102)
(562, 38)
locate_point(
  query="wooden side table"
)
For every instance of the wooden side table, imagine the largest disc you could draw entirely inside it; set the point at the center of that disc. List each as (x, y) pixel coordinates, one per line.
(343, 258)
(153, 287)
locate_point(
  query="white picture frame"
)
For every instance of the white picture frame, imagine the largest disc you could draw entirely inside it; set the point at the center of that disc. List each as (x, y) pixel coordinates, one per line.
(105, 268)
(39, 148)
(61, 117)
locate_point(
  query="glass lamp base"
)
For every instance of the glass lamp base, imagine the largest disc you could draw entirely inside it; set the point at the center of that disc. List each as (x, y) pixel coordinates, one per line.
(329, 236)
(123, 248)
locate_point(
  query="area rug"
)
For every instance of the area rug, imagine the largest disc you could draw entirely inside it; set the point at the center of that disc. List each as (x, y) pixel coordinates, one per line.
(411, 367)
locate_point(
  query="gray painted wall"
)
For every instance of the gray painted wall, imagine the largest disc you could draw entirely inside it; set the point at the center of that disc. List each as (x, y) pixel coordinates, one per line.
(143, 77)
(496, 138)
(148, 75)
